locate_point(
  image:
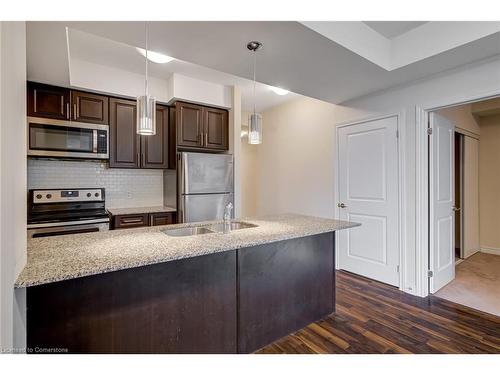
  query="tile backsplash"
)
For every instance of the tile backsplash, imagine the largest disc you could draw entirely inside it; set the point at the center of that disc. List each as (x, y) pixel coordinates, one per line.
(124, 187)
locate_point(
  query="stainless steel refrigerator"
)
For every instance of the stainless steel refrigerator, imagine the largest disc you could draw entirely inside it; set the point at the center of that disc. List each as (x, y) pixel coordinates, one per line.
(205, 186)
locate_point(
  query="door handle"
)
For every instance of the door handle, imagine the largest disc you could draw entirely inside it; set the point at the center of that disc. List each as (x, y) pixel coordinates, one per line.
(341, 205)
(456, 209)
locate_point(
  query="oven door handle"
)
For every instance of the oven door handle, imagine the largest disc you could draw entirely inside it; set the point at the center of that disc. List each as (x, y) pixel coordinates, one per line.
(68, 223)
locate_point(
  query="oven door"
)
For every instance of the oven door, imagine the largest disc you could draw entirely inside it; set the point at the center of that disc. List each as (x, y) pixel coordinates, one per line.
(55, 229)
(55, 138)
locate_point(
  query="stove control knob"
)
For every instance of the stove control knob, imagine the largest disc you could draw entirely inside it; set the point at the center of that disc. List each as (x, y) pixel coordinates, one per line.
(96, 195)
(48, 196)
(89, 195)
(39, 196)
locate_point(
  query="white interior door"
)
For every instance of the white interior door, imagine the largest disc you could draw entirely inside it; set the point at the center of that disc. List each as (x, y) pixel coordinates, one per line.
(470, 207)
(442, 198)
(368, 194)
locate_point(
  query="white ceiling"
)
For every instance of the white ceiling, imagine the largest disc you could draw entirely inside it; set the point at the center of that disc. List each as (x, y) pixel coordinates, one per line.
(391, 29)
(294, 56)
(102, 51)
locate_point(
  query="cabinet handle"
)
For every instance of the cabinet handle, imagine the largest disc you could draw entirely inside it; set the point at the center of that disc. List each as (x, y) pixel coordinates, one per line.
(206, 139)
(131, 221)
(139, 158)
(74, 112)
(67, 111)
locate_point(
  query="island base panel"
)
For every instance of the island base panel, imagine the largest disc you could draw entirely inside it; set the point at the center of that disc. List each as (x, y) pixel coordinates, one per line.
(284, 286)
(185, 306)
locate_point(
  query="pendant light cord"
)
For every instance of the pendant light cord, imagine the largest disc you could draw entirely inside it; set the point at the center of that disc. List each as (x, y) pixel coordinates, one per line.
(146, 82)
(254, 79)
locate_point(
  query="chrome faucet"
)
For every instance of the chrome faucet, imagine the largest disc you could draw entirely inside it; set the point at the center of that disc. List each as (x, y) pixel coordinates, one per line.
(227, 217)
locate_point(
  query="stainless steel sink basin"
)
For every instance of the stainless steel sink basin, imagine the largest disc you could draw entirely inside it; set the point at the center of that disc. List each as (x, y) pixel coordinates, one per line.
(215, 228)
(234, 225)
(189, 231)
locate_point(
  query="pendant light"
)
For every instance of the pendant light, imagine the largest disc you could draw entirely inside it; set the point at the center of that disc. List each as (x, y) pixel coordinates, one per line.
(146, 104)
(255, 119)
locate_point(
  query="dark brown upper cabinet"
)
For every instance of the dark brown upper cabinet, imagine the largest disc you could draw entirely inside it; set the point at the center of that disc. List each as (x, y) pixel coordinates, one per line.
(88, 107)
(48, 101)
(215, 123)
(131, 150)
(64, 104)
(201, 127)
(189, 120)
(154, 148)
(124, 142)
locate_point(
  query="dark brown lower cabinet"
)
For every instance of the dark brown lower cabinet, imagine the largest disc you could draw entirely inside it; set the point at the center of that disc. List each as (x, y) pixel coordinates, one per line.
(230, 302)
(186, 306)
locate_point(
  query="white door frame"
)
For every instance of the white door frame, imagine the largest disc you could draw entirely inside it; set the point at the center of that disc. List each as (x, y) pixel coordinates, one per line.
(422, 181)
(400, 116)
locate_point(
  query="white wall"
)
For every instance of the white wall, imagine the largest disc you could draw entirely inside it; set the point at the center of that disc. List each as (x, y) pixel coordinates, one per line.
(124, 187)
(459, 85)
(489, 184)
(13, 181)
(235, 146)
(181, 87)
(295, 160)
(101, 78)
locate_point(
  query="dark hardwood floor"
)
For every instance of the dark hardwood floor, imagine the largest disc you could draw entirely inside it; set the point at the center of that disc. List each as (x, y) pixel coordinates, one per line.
(372, 317)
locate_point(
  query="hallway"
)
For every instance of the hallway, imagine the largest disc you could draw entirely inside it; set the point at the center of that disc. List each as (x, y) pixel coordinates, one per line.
(476, 284)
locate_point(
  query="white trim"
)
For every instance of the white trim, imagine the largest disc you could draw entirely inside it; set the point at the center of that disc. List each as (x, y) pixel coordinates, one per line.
(422, 199)
(467, 133)
(401, 128)
(490, 250)
(421, 203)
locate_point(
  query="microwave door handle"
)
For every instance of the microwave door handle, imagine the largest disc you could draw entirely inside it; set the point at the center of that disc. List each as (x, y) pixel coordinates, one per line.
(94, 141)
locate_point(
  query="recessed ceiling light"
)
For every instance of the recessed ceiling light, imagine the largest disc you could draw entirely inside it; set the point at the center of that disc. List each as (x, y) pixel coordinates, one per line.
(155, 57)
(279, 91)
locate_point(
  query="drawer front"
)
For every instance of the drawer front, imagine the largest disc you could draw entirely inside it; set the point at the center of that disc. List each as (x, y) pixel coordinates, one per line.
(130, 221)
(162, 218)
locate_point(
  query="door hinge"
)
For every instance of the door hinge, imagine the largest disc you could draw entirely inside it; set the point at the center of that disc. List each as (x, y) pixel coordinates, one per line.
(429, 131)
(430, 273)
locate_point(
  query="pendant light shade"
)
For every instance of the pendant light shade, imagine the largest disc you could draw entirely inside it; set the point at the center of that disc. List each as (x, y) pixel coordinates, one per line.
(255, 119)
(255, 129)
(146, 115)
(146, 104)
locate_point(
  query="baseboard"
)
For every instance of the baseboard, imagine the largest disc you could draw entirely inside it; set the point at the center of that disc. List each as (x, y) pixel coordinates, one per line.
(490, 250)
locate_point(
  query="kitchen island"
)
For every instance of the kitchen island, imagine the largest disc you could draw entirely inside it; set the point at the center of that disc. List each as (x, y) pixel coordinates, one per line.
(143, 291)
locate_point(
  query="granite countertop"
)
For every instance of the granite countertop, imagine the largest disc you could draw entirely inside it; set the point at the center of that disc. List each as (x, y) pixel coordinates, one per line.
(52, 259)
(140, 210)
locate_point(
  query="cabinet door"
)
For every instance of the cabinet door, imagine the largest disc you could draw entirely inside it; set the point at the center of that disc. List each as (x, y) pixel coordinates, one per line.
(163, 218)
(216, 128)
(154, 148)
(48, 101)
(124, 141)
(130, 221)
(88, 107)
(189, 122)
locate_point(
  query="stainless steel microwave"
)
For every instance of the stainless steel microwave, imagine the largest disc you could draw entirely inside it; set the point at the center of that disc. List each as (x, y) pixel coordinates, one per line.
(67, 139)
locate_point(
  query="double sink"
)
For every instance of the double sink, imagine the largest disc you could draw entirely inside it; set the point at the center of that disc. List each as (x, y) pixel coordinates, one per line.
(212, 228)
